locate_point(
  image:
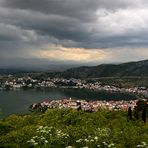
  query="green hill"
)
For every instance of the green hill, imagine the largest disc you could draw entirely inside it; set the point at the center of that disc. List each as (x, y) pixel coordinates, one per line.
(134, 69)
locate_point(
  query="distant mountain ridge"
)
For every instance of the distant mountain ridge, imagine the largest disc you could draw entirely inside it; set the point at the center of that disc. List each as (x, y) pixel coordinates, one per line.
(33, 69)
(135, 69)
(139, 68)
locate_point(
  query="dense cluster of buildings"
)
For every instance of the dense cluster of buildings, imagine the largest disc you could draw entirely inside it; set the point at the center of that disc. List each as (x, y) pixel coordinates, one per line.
(28, 82)
(84, 105)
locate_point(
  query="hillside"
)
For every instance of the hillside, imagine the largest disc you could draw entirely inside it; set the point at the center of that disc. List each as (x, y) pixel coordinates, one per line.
(73, 129)
(134, 69)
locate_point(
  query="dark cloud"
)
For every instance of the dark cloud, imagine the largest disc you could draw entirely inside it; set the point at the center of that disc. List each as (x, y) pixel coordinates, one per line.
(72, 8)
(27, 26)
(68, 7)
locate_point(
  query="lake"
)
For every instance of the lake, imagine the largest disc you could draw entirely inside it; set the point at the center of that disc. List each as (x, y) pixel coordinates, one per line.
(18, 101)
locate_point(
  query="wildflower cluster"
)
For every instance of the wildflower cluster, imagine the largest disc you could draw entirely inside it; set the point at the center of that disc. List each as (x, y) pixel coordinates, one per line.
(62, 135)
(106, 145)
(143, 144)
(44, 129)
(103, 132)
(94, 141)
(89, 139)
(100, 139)
(38, 140)
(41, 137)
(47, 135)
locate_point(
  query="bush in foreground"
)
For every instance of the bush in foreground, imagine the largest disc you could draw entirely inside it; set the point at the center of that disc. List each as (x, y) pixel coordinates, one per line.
(73, 129)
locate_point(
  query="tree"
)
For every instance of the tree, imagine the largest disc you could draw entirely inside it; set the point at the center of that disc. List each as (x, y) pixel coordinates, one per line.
(140, 111)
(129, 116)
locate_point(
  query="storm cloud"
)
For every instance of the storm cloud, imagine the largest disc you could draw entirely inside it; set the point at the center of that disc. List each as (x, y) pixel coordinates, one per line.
(116, 30)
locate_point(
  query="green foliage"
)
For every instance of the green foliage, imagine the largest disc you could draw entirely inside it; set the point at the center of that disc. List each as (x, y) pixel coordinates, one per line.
(73, 129)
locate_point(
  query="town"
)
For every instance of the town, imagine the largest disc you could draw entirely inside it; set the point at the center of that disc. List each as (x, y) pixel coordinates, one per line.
(90, 106)
(27, 82)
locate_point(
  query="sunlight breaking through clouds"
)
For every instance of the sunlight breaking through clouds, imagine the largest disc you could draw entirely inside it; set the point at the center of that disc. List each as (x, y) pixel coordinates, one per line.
(60, 53)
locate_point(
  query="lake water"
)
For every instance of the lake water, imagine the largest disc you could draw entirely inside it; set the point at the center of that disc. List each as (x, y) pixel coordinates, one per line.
(18, 101)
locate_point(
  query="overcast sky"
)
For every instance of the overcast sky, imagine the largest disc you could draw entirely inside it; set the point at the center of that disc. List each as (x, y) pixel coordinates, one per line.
(86, 32)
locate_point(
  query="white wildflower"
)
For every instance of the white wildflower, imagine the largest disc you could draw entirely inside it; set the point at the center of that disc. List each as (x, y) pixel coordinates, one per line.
(46, 141)
(104, 143)
(96, 138)
(92, 140)
(143, 143)
(86, 140)
(35, 143)
(32, 140)
(78, 141)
